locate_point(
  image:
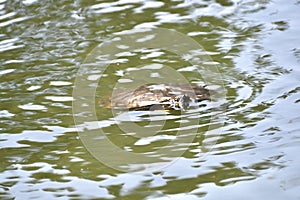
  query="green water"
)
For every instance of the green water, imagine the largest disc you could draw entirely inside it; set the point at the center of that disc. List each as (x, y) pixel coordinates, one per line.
(56, 141)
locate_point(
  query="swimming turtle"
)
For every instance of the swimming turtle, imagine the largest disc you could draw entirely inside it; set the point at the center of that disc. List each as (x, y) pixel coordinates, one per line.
(157, 97)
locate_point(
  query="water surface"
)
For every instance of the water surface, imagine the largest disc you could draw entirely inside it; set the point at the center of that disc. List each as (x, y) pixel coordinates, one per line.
(253, 44)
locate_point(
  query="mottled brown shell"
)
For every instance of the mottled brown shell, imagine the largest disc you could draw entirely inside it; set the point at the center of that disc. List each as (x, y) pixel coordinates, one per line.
(157, 96)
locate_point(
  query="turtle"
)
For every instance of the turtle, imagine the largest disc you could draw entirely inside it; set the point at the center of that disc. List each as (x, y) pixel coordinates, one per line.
(157, 97)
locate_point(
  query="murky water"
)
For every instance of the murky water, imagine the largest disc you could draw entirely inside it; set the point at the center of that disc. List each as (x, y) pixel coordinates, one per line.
(242, 145)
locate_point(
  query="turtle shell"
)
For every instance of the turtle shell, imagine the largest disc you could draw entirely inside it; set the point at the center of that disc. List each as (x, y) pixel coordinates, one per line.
(157, 96)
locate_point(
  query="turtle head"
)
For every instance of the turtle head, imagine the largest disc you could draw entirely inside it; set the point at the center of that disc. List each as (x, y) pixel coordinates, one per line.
(181, 102)
(184, 102)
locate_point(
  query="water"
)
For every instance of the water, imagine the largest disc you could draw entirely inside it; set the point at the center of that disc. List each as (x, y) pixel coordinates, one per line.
(252, 45)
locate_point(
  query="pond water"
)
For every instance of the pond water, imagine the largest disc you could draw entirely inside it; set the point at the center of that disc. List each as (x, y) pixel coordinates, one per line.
(58, 59)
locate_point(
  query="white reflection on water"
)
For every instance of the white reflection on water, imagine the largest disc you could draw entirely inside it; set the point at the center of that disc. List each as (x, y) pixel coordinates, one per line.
(60, 98)
(46, 188)
(60, 83)
(9, 44)
(5, 113)
(31, 106)
(15, 140)
(7, 71)
(149, 140)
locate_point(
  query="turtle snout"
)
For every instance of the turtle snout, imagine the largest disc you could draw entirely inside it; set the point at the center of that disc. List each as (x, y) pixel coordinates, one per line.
(184, 102)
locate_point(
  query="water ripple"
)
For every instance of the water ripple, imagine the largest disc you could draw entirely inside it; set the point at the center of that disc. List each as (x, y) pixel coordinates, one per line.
(9, 44)
(253, 43)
